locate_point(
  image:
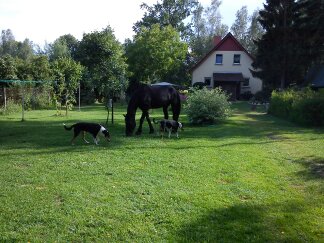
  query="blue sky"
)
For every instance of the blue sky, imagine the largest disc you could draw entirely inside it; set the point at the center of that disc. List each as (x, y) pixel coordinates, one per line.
(46, 20)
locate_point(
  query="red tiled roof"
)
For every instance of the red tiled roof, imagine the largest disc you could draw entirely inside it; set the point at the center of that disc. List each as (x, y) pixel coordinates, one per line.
(228, 43)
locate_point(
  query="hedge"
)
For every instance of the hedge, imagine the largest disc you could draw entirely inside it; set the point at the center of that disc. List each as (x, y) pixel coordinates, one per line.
(305, 107)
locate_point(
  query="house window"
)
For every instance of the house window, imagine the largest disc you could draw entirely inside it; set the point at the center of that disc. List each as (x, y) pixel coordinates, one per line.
(219, 58)
(246, 82)
(207, 81)
(237, 59)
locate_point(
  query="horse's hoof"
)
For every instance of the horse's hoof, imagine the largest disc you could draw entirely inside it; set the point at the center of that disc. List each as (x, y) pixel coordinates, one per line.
(151, 131)
(138, 133)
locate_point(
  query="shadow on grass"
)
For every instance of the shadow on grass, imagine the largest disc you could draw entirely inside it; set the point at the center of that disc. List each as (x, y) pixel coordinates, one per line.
(314, 167)
(246, 223)
(48, 132)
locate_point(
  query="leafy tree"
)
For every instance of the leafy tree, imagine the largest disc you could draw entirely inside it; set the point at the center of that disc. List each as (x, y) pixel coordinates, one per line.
(247, 29)
(64, 46)
(67, 74)
(23, 69)
(8, 45)
(155, 53)
(8, 67)
(199, 38)
(254, 32)
(206, 23)
(240, 27)
(214, 24)
(25, 49)
(41, 68)
(102, 55)
(167, 12)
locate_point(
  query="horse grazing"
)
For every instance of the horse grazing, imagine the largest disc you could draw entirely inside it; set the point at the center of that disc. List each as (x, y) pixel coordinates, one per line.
(150, 97)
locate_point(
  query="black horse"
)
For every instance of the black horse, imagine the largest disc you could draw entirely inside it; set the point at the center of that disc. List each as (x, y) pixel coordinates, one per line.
(150, 97)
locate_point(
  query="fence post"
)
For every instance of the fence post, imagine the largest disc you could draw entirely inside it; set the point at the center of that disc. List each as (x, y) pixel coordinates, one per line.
(5, 97)
(23, 102)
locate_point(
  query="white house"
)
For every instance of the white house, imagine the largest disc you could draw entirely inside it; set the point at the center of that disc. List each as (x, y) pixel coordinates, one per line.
(227, 65)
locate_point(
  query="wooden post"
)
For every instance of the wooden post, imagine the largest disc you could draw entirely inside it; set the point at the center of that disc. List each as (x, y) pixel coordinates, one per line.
(79, 97)
(112, 111)
(23, 102)
(5, 97)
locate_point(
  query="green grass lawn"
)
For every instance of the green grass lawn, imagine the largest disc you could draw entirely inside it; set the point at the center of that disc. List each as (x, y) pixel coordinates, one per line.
(253, 178)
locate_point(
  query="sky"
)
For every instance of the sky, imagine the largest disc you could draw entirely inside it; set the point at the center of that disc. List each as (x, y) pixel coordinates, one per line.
(45, 20)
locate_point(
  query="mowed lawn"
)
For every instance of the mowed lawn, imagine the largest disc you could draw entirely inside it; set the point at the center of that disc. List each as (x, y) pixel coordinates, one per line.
(253, 178)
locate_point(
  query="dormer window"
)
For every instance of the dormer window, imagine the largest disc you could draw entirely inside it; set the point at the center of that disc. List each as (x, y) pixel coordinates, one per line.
(219, 59)
(237, 59)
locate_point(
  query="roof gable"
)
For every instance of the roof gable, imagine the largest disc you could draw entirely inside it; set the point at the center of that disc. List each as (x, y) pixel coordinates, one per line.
(228, 43)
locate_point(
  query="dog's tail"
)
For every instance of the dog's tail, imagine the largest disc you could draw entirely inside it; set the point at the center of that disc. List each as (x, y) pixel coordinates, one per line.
(68, 128)
(154, 121)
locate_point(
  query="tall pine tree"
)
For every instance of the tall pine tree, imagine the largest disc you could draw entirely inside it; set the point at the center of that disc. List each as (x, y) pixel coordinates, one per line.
(278, 59)
(311, 31)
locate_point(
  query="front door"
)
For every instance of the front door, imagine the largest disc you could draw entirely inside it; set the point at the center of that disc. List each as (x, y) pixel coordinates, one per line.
(229, 88)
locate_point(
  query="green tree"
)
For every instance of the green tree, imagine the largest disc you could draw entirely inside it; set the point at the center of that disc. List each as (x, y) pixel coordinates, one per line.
(155, 53)
(254, 32)
(168, 12)
(206, 23)
(67, 75)
(64, 46)
(103, 57)
(25, 49)
(41, 68)
(213, 17)
(8, 45)
(240, 27)
(8, 67)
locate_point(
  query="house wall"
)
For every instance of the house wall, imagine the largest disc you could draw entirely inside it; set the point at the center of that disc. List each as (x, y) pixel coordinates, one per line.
(208, 67)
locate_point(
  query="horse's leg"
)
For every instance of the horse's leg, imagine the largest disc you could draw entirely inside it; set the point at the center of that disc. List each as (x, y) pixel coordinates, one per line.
(150, 123)
(165, 111)
(175, 111)
(139, 130)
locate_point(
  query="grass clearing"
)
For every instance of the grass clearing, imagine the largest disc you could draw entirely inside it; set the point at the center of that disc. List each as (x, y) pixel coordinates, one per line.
(253, 178)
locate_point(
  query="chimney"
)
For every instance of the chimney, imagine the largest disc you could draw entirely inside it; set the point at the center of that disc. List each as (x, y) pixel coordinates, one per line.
(216, 40)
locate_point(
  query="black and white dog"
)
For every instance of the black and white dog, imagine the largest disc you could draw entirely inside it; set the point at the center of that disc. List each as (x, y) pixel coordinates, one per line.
(93, 128)
(169, 125)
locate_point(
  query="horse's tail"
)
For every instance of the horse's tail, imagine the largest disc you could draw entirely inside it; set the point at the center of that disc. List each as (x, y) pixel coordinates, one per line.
(68, 128)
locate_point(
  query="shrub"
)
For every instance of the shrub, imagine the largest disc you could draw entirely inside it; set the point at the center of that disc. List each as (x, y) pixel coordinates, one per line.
(281, 103)
(207, 106)
(199, 85)
(12, 107)
(304, 107)
(262, 96)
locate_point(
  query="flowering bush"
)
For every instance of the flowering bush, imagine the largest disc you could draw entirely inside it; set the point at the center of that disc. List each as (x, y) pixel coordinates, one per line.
(207, 106)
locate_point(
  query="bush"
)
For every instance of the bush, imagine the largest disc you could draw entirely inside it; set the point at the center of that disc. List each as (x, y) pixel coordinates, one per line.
(207, 106)
(199, 85)
(304, 107)
(12, 107)
(262, 96)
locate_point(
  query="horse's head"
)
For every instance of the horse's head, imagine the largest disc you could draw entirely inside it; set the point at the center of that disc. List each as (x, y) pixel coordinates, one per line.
(130, 124)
